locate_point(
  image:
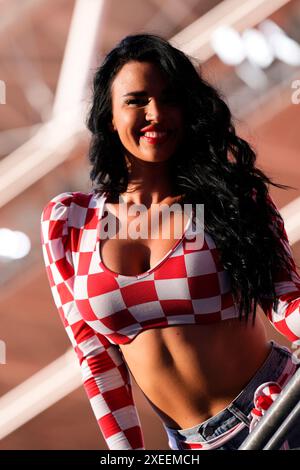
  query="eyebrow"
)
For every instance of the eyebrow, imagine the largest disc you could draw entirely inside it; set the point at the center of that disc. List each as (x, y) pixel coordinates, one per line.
(143, 93)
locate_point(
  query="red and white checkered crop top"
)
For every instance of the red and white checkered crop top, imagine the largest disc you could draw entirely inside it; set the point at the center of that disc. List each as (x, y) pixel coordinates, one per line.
(101, 309)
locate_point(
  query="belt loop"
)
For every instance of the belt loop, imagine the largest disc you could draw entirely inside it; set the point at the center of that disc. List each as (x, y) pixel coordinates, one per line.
(239, 414)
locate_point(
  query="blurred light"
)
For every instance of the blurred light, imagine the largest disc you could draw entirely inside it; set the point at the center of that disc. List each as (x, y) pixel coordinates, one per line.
(284, 48)
(228, 45)
(13, 244)
(252, 75)
(257, 48)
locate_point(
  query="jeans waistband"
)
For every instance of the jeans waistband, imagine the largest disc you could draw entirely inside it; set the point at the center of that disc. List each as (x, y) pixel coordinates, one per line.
(276, 367)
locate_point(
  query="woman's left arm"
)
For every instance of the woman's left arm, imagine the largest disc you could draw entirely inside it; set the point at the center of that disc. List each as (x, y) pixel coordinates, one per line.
(287, 287)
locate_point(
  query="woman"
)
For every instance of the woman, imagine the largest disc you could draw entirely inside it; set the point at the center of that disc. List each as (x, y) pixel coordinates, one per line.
(176, 316)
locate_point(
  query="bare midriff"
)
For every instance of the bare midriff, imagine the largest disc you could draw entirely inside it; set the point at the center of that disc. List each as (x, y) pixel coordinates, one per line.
(188, 373)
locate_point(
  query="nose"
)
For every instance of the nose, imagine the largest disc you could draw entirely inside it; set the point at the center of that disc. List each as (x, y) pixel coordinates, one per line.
(154, 110)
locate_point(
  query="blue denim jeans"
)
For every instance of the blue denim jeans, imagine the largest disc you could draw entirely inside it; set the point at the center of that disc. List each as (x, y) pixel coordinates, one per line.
(239, 409)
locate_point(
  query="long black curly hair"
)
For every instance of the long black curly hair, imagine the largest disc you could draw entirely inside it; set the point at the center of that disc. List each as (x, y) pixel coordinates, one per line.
(212, 166)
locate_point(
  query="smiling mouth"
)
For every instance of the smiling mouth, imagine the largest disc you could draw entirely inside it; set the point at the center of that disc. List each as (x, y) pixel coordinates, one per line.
(155, 137)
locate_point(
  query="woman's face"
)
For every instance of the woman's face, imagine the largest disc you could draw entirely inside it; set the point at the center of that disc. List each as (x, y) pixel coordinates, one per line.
(141, 98)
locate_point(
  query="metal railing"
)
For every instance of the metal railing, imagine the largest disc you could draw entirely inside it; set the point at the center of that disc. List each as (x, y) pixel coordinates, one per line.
(271, 431)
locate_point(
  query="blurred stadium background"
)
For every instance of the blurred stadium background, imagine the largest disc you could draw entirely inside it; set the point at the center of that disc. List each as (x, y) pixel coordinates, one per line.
(49, 50)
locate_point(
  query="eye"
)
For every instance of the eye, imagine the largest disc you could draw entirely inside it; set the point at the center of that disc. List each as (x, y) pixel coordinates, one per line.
(169, 99)
(137, 101)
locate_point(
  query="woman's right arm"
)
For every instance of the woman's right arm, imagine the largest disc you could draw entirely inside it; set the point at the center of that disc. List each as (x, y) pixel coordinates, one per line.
(105, 375)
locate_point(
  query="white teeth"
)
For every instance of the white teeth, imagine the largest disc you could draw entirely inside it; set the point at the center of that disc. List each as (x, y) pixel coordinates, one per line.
(155, 134)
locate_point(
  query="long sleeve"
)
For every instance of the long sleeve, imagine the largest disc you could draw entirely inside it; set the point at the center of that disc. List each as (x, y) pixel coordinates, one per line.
(105, 376)
(287, 287)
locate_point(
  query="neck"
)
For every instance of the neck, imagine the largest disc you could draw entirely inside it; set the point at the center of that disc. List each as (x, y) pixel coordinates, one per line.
(149, 182)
